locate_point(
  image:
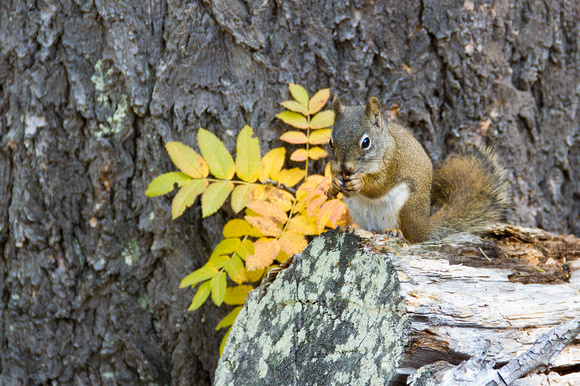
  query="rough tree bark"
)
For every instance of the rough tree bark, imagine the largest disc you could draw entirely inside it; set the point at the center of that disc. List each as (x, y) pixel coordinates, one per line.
(91, 90)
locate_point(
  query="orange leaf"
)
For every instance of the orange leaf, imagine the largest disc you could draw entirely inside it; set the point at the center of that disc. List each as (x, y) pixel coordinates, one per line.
(265, 252)
(317, 200)
(272, 164)
(240, 228)
(295, 106)
(279, 197)
(321, 220)
(293, 119)
(316, 153)
(294, 137)
(318, 101)
(269, 210)
(265, 225)
(303, 224)
(299, 155)
(322, 120)
(336, 208)
(292, 242)
(313, 182)
(320, 137)
(187, 160)
(291, 177)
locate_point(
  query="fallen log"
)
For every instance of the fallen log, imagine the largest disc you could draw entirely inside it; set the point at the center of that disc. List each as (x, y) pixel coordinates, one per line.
(371, 309)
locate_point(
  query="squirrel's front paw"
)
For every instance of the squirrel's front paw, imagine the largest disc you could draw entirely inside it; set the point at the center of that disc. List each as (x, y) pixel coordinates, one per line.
(353, 184)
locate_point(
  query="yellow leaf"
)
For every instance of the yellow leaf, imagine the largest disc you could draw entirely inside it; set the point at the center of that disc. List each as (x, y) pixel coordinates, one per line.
(214, 197)
(224, 340)
(299, 155)
(187, 160)
(292, 242)
(240, 228)
(291, 177)
(226, 247)
(256, 275)
(237, 295)
(247, 248)
(229, 319)
(265, 253)
(279, 197)
(282, 257)
(218, 286)
(220, 161)
(320, 137)
(293, 119)
(196, 276)
(247, 155)
(322, 120)
(186, 196)
(294, 137)
(265, 225)
(299, 93)
(236, 270)
(200, 297)
(318, 101)
(269, 210)
(218, 261)
(272, 164)
(316, 153)
(295, 106)
(240, 197)
(303, 224)
(165, 183)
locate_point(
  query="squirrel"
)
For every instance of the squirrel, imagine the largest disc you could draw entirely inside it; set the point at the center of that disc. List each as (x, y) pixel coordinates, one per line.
(388, 181)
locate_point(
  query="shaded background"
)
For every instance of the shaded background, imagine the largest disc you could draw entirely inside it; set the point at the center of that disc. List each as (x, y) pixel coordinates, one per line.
(90, 91)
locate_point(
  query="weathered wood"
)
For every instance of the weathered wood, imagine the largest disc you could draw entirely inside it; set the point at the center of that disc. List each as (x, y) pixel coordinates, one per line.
(453, 311)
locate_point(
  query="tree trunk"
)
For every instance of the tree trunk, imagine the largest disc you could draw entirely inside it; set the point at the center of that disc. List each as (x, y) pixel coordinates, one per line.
(342, 314)
(91, 91)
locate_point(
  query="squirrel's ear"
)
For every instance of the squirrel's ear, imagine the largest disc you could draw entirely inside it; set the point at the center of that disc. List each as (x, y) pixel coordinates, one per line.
(337, 107)
(373, 107)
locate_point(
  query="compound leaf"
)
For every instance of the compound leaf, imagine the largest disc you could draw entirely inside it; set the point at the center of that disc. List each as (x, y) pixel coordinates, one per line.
(229, 319)
(247, 155)
(293, 119)
(214, 197)
(186, 196)
(200, 297)
(265, 252)
(187, 160)
(318, 101)
(237, 295)
(220, 161)
(198, 275)
(218, 286)
(165, 183)
(322, 120)
(299, 93)
(272, 164)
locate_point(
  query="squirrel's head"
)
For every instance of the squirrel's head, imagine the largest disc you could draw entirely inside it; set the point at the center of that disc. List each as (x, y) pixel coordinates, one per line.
(359, 138)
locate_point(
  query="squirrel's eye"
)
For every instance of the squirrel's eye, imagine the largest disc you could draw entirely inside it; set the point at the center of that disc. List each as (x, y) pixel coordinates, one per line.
(366, 143)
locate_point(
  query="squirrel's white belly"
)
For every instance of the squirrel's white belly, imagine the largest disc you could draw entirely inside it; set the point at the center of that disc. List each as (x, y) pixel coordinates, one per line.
(378, 214)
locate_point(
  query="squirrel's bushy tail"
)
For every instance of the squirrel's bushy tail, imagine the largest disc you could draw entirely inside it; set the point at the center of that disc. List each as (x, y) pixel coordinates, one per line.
(470, 191)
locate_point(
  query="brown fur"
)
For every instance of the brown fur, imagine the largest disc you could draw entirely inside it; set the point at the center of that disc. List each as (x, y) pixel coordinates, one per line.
(469, 188)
